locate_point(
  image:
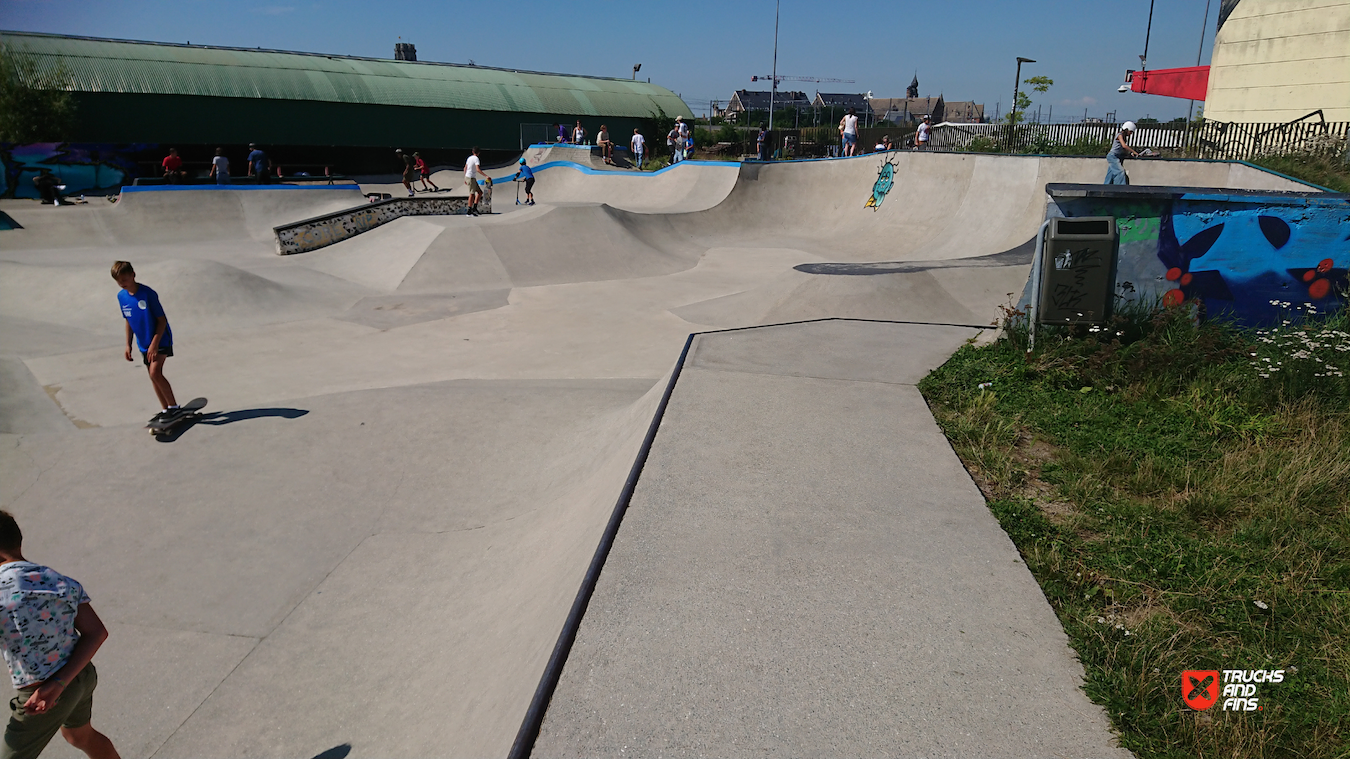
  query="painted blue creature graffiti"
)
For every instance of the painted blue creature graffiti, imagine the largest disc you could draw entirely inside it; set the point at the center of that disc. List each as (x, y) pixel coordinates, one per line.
(885, 181)
(80, 167)
(1236, 255)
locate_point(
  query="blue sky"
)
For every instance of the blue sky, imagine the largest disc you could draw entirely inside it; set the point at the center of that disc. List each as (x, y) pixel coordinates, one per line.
(963, 49)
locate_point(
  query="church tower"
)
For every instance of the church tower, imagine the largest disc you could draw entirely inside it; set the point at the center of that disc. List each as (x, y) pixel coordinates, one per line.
(913, 90)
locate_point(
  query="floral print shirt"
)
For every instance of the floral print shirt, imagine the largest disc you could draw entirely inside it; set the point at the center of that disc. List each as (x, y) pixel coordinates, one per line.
(37, 612)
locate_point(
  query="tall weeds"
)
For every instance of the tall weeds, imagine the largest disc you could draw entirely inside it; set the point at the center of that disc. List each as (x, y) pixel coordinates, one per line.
(1182, 508)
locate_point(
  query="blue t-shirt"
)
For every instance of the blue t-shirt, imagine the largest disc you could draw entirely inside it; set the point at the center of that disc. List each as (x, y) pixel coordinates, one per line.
(142, 311)
(526, 172)
(259, 161)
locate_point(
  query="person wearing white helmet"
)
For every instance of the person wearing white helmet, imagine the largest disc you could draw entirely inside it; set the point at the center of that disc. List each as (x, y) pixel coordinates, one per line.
(1120, 149)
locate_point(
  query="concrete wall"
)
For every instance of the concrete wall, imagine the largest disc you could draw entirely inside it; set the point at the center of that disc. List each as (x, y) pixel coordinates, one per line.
(1278, 60)
(1229, 252)
(322, 231)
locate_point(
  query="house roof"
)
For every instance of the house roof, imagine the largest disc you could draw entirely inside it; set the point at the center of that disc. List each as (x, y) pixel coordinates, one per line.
(958, 111)
(752, 100)
(841, 100)
(106, 65)
(914, 106)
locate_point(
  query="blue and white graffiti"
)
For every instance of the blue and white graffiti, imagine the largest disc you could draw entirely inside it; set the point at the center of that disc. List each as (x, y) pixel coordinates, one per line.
(1235, 256)
(882, 187)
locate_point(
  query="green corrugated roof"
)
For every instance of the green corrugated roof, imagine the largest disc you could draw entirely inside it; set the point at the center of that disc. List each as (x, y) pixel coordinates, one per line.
(100, 65)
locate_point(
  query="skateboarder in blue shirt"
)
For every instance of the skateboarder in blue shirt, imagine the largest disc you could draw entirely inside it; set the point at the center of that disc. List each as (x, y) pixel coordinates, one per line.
(147, 322)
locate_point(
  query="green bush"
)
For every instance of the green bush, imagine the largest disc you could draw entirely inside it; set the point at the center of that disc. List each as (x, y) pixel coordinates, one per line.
(728, 133)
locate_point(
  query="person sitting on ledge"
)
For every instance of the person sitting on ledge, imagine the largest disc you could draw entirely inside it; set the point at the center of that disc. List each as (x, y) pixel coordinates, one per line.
(47, 185)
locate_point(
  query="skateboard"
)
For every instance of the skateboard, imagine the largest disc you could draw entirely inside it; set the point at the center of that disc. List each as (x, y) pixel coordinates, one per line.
(186, 413)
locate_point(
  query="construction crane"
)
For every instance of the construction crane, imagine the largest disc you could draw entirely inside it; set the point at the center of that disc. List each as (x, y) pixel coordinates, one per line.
(816, 79)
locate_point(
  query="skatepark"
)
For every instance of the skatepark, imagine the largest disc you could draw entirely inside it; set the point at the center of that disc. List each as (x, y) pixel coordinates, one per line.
(417, 437)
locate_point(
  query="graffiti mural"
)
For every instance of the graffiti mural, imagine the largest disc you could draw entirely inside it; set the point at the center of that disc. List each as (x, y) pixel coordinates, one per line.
(885, 181)
(1236, 255)
(80, 167)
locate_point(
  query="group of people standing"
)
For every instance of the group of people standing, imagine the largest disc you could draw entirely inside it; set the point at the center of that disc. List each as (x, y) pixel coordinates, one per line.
(259, 167)
(679, 140)
(848, 135)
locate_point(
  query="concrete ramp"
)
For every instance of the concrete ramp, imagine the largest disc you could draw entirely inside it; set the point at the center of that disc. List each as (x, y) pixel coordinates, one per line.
(184, 215)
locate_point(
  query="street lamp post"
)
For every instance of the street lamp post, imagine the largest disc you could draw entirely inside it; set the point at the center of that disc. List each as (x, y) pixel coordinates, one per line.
(1017, 84)
(1012, 111)
(773, 89)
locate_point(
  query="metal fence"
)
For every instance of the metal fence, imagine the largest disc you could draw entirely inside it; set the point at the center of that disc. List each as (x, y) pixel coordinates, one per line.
(1211, 139)
(533, 134)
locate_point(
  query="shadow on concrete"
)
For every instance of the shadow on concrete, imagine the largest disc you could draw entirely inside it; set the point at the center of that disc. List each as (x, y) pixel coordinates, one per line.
(336, 752)
(218, 418)
(1019, 256)
(229, 417)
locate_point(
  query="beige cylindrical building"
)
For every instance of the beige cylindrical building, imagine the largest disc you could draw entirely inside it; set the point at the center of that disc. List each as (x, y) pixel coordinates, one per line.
(1278, 60)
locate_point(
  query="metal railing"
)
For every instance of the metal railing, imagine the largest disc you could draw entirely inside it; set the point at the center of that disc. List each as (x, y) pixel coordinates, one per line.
(1210, 139)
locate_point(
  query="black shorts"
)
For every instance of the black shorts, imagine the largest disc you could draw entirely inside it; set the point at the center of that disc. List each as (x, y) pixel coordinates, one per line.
(164, 350)
(529, 185)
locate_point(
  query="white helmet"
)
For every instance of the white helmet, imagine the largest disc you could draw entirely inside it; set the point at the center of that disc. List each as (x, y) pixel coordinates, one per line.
(1127, 126)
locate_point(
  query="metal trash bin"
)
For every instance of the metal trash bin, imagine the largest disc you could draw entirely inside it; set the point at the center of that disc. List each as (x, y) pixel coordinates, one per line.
(1078, 271)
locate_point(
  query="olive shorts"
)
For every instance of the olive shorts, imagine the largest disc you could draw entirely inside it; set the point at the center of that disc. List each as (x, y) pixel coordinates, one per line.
(28, 734)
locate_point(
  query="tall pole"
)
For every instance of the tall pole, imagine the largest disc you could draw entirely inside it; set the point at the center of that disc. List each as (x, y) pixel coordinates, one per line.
(1190, 109)
(1012, 110)
(773, 90)
(1149, 31)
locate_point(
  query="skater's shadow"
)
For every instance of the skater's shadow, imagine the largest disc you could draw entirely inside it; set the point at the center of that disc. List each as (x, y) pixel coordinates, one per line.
(336, 752)
(217, 418)
(229, 417)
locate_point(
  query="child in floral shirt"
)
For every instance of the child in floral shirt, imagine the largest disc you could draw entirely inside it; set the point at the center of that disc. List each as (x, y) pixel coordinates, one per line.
(48, 635)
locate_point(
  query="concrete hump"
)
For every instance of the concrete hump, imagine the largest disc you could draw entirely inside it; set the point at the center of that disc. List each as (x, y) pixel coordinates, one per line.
(379, 258)
(587, 244)
(198, 295)
(175, 216)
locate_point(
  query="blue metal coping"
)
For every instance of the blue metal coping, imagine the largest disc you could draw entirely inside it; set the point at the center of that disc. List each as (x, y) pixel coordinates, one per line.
(599, 172)
(235, 187)
(1220, 194)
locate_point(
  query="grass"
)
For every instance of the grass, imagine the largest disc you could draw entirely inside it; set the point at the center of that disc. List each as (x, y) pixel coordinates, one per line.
(654, 162)
(1321, 168)
(1182, 507)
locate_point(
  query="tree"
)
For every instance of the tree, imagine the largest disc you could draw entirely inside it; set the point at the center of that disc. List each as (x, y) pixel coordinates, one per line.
(30, 114)
(1037, 83)
(658, 126)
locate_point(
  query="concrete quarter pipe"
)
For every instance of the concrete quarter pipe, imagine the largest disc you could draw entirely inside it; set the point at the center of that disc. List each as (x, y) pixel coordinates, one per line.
(416, 437)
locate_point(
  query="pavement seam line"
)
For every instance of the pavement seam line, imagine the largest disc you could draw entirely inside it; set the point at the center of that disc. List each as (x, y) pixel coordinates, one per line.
(260, 640)
(803, 376)
(205, 698)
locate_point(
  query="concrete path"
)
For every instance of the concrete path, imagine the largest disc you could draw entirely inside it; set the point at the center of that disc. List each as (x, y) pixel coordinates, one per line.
(805, 569)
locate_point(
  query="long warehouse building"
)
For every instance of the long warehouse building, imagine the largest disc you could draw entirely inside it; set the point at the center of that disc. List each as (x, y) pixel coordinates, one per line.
(155, 95)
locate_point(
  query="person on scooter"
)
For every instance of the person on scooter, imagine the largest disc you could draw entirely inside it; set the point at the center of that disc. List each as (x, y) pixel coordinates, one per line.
(1120, 149)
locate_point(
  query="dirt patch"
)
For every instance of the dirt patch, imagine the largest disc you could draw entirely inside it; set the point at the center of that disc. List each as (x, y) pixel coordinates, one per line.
(52, 390)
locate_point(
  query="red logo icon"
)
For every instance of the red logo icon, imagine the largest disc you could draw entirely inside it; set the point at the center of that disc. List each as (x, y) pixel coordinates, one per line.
(1200, 688)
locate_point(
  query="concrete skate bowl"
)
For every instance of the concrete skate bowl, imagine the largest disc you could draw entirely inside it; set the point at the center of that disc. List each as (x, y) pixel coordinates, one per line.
(168, 215)
(420, 432)
(687, 186)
